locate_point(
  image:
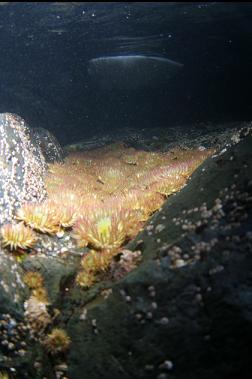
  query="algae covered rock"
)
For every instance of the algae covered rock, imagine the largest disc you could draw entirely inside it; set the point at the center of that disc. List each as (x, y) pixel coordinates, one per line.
(22, 166)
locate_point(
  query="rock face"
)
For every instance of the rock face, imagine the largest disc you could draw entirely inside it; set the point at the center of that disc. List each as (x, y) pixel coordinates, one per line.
(22, 166)
(157, 139)
(13, 292)
(12, 288)
(48, 144)
(185, 311)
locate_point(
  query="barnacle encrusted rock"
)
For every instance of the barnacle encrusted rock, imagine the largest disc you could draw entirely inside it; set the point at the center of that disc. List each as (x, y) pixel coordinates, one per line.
(36, 314)
(12, 288)
(22, 166)
(49, 145)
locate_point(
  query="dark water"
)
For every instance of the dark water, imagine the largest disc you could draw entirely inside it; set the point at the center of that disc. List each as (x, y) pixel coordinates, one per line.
(45, 49)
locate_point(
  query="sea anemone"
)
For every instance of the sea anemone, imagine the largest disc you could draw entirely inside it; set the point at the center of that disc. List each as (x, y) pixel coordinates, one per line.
(57, 341)
(65, 196)
(112, 175)
(33, 279)
(17, 236)
(85, 279)
(167, 187)
(64, 214)
(67, 216)
(96, 261)
(166, 179)
(144, 201)
(39, 217)
(171, 178)
(105, 227)
(41, 294)
(130, 159)
(4, 375)
(93, 263)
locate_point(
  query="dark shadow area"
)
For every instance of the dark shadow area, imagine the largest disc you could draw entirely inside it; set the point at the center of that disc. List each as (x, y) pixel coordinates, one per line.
(46, 47)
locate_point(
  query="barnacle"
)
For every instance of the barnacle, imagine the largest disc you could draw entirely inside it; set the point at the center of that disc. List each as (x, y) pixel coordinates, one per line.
(22, 166)
(128, 261)
(36, 311)
(17, 236)
(39, 217)
(57, 341)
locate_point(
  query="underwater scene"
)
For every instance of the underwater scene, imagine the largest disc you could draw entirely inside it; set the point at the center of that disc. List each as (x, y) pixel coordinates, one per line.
(125, 190)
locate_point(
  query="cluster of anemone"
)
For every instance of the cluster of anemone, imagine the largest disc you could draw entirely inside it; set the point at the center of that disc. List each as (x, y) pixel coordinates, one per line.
(166, 180)
(50, 216)
(130, 186)
(105, 196)
(145, 202)
(170, 178)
